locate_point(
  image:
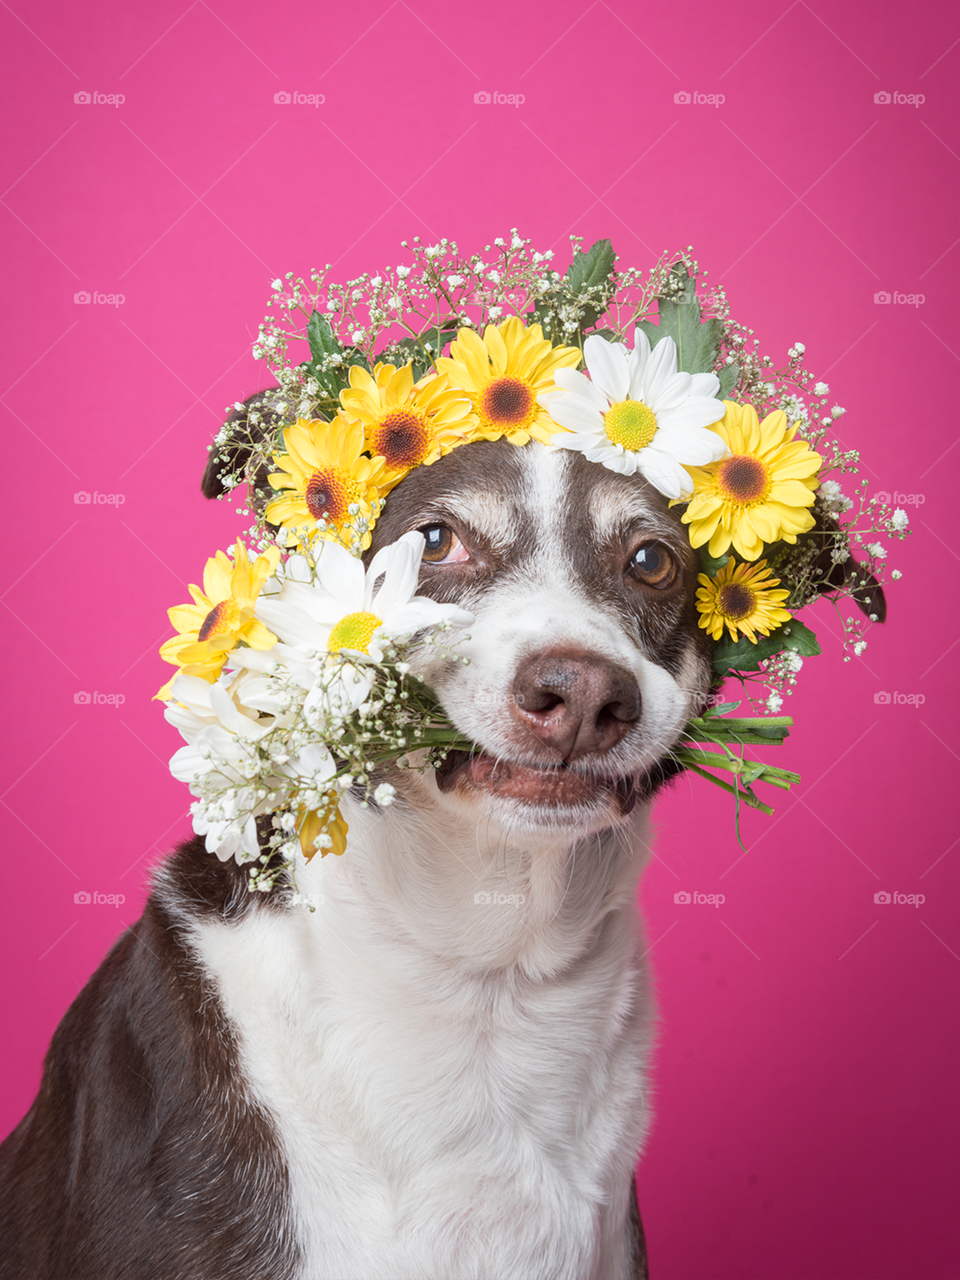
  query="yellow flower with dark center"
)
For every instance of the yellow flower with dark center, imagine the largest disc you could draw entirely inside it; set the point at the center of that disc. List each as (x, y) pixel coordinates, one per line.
(326, 474)
(407, 424)
(328, 819)
(503, 373)
(761, 494)
(221, 616)
(741, 598)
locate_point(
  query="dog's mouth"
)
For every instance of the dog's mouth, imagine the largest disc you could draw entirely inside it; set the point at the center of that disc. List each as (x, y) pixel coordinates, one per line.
(555, 785)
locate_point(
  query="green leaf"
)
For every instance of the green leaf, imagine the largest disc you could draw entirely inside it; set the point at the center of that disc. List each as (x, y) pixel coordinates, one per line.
(728, 376)
(745, 655)
(592, 268)
(799, 638)
(710, 565)
(697, 342)
(322, 339)
(592, 271)
(414, 349)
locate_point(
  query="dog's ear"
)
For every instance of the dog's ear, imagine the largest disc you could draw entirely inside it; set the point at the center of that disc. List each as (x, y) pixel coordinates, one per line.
(231, 456)
(864, 588)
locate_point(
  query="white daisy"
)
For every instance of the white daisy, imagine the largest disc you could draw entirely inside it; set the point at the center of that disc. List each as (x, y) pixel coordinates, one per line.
(356, 612)
(636, 413)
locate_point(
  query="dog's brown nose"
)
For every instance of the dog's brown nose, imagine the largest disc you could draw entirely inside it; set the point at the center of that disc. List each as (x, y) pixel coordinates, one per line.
(575, 702)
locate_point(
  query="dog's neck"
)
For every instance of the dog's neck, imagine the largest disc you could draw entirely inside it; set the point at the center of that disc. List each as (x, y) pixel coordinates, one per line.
(432, 884)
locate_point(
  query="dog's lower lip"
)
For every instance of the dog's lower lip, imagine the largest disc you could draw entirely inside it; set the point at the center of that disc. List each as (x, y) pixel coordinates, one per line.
(543, 784)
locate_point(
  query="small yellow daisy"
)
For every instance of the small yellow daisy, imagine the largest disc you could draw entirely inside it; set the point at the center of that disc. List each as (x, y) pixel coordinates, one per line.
(406, 423)
(741, 598)
(221, 616)
(326, 474)
(761, 494)
(503, 374)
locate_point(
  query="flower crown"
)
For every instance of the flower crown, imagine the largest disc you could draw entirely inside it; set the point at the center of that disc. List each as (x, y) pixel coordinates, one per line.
(293, 679)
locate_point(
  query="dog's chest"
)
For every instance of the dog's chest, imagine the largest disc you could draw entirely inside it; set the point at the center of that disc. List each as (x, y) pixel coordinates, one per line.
(456, 1129)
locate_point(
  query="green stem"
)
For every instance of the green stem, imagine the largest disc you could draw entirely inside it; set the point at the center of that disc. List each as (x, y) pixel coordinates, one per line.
(744, 794)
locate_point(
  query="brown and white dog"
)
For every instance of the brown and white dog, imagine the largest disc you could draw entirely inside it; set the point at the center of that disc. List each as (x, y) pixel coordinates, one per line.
(439, 1074)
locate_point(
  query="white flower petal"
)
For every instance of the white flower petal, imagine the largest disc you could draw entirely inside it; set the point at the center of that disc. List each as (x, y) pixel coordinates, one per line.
(399, 566)
(577, 382)
(664, 473)
(607, 362)
(576, 414)
(341, 575)
(696, 411)
(661, 367)
(706, 384)
(694, 446)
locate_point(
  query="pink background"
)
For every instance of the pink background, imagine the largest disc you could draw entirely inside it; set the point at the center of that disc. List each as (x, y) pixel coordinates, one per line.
(805, 1080)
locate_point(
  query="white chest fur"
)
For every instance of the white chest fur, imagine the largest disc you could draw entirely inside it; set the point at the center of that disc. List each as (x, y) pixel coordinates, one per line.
(457, 1085)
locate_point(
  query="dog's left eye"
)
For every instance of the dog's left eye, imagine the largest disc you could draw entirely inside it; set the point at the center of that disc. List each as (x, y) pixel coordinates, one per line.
(654, 566)
(441, 545)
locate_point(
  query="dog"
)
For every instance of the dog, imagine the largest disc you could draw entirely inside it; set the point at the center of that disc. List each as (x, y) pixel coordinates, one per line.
(441, 1073)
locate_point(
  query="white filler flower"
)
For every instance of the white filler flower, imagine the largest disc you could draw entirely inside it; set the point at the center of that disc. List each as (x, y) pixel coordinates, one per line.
(636, 413)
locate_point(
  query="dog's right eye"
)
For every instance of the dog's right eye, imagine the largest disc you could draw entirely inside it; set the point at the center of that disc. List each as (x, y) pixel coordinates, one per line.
(441, 545)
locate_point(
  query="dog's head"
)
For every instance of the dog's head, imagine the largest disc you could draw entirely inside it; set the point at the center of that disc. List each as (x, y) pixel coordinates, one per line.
(585, 660)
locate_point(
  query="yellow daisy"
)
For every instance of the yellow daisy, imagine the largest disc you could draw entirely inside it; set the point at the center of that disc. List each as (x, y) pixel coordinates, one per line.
(759, 495)
(406, 423)
(221, 616)
(329, 819)
(503, 374)
(325, 473)
(741, 598)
